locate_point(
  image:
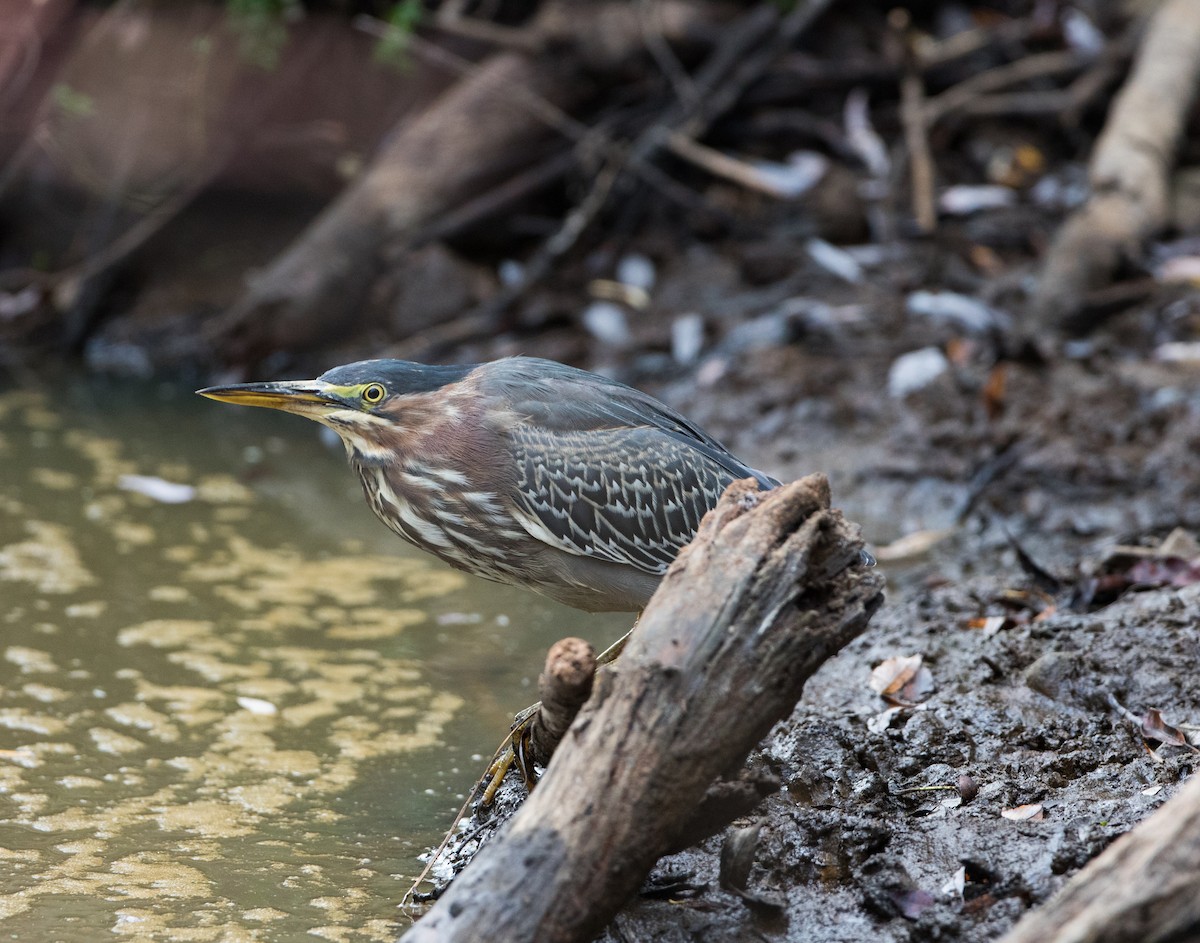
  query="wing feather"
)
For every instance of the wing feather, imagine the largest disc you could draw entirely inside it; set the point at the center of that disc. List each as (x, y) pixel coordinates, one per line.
(630, 496)
(604, 470)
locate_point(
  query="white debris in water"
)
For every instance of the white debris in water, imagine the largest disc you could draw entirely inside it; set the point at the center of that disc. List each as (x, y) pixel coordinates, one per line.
(915, 370)
(459, 618)
(256, 705)
(158, 489)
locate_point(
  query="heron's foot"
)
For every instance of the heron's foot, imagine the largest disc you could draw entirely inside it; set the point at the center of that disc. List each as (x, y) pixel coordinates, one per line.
(513, 751)
(516, 750)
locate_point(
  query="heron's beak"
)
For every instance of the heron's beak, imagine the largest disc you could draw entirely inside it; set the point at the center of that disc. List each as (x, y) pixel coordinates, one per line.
(307, 397)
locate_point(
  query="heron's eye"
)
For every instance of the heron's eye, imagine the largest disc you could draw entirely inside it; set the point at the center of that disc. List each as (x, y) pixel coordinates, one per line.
(374, 393)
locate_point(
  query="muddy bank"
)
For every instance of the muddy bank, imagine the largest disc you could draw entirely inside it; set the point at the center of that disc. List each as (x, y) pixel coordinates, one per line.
(858, 846)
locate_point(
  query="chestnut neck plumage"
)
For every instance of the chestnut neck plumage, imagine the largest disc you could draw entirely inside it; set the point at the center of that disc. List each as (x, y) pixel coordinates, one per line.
(409, 465)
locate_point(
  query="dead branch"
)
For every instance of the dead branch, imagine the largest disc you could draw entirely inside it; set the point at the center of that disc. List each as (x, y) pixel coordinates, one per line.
(962, 96)
(1130, 168)
(477, 132)
(916, 126)
(722, 165)
(1142, 889)
(563, 686)
(495, 200)
(768, 590)
(741, 58)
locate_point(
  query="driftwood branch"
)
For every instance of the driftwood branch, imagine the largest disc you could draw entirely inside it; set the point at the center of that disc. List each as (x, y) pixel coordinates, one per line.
(1131, 166)
(771, 587)
(1142, 889)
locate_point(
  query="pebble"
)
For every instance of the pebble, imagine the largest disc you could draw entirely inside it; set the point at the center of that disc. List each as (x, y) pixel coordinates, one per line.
(637, 271)
(916, 370)
(687, 339)
(607, 323)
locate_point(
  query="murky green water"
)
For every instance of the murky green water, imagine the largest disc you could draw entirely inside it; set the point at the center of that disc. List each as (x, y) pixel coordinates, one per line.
(240, 716)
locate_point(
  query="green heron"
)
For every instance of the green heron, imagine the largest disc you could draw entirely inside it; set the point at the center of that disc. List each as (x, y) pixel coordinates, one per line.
(521, 470)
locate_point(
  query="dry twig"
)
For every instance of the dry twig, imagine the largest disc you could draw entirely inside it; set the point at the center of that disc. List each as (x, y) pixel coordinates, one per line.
(916, 127)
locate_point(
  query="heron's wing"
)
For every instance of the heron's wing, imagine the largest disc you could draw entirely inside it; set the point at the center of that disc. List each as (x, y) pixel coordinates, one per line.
(626, 495)
(604, 470)
(559, 399)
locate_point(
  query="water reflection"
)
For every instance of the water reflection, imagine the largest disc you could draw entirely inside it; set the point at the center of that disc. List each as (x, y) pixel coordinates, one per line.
(240, 715)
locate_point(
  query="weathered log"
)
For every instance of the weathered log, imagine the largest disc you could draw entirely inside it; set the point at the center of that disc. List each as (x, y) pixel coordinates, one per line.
(1130, 167)
(1144, 888)
(771, 587)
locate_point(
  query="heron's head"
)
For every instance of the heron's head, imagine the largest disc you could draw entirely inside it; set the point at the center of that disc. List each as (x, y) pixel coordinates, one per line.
(369, 404)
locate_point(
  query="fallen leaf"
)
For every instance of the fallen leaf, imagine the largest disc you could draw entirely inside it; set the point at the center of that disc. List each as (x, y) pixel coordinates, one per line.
(916, 544)
(1025, 813)
(957, 884)
(994, 391)
(986, 259)
(1164, 571)
(1178, 352)
(881, 721)
(915, 370)
(1035, 602)
(892, 674)
(912, 902)
(1180, 543)
(963, 200)
(1155, 728)
(957, 310)
(990, 625)
(1180, 269)
(902, 680)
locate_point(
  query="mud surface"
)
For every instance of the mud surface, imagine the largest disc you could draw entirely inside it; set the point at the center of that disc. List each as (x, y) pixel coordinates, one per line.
(1063, 448)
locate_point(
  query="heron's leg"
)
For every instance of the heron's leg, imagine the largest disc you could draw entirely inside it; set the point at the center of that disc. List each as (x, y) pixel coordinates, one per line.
(609, 655)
